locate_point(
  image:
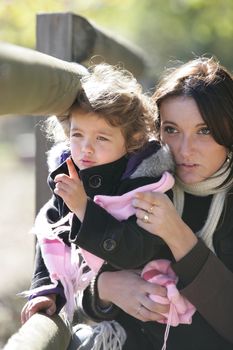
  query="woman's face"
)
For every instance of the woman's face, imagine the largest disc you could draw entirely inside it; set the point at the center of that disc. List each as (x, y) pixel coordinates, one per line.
(197, 155)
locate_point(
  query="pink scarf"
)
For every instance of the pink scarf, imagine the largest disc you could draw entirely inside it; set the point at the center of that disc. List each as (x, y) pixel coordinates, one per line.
(181, 310)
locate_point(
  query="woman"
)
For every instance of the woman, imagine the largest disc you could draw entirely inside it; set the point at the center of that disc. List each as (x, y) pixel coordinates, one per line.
(195, 103)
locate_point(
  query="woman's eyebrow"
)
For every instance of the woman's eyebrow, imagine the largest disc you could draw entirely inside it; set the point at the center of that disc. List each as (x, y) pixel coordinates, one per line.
(173, 123)
(168, 122)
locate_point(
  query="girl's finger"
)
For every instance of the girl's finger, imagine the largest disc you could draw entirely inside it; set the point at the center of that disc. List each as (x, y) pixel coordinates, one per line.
(71, 169)
(62, 178)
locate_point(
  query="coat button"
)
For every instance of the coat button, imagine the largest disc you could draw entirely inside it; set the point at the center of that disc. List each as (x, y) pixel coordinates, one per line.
(95, 181)
(109, 244)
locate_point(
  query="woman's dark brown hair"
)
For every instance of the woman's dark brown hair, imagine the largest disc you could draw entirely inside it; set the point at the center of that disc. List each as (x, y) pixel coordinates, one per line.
(211, 86)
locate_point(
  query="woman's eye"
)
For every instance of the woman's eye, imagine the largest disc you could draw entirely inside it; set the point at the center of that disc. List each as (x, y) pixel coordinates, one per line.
(204, 131)
(170, 130)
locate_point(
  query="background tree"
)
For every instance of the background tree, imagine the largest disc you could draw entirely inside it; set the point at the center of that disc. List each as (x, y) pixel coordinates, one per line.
(165, 29)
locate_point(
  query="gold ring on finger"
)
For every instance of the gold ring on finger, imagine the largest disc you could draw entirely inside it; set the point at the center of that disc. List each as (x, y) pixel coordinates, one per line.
(145, 218)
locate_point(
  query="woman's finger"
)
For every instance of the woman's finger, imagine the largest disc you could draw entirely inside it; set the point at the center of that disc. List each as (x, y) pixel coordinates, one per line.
(149, 197)
(144, 314)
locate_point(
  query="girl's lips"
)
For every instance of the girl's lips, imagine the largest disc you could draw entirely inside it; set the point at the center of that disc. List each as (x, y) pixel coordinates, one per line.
(87, 162)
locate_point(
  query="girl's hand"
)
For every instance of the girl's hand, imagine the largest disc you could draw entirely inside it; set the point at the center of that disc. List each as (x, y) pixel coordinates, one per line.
(130, 292)
(43, 303)
(71, 190)
(156, 213)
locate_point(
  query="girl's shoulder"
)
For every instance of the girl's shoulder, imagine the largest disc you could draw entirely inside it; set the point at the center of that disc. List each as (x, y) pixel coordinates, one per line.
(151, 161)
(57, 155)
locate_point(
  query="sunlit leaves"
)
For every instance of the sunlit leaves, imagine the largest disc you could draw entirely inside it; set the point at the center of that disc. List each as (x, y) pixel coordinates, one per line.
(164, 29)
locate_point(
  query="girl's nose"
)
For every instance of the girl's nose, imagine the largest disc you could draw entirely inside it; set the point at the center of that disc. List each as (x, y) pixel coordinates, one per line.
(87, 147)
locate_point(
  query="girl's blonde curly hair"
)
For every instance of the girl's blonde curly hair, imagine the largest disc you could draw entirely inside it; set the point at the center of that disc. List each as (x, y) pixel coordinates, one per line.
(116, 96)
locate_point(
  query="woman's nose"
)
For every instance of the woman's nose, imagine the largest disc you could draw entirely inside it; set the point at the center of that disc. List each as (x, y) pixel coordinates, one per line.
(186, 146)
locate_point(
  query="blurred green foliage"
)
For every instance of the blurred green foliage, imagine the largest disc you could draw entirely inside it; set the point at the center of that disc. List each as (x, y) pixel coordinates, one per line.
(165, 29)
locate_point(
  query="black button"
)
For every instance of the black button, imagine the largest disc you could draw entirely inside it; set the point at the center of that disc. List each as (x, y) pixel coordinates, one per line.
(95, 181)
(109, 244)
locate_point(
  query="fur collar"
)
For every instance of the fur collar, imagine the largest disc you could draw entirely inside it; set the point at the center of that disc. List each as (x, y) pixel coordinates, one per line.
(156, 164)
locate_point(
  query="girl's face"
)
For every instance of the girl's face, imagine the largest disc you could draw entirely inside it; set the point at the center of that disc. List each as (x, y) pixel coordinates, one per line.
(93, 141)
(197, 155)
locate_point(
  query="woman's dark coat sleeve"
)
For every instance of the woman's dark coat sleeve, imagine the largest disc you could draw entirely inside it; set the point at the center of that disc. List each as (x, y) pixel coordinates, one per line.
(208, 284)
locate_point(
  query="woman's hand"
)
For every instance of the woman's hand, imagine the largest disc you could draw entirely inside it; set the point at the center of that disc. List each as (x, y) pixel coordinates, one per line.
(130, 292)
(45, 303)
(156, 213)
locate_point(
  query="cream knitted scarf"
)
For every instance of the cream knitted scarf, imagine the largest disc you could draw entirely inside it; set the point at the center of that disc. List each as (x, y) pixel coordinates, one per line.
(205, 188)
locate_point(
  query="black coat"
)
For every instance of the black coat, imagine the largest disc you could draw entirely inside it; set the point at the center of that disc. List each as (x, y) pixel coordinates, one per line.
(122, 244)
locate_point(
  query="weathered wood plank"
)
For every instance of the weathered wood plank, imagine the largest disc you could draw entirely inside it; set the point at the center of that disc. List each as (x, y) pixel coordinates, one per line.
(32, 83)
(40, 332)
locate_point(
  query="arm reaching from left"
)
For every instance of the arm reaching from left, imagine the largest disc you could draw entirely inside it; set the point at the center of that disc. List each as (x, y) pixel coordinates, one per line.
(45, 303)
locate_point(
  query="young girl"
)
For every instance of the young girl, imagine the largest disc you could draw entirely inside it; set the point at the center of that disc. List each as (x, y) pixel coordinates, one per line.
(108, 152)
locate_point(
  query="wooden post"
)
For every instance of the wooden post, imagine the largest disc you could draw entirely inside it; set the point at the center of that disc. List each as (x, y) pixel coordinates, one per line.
(74, 38)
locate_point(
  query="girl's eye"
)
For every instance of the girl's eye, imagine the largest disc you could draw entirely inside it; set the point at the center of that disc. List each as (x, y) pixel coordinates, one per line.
(76, 134)
(170, 130)
(102, 138)
(204, 131)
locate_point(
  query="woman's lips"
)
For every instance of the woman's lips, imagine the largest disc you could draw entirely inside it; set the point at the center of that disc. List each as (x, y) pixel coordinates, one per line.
(187, 166)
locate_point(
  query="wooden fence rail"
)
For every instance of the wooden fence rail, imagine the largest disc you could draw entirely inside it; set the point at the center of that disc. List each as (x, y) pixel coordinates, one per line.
(41, 332)
(32, 83)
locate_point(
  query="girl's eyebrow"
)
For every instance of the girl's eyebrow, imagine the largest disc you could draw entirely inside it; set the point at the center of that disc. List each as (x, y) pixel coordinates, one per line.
(105, 133)
(75, 128)
(102, 132)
